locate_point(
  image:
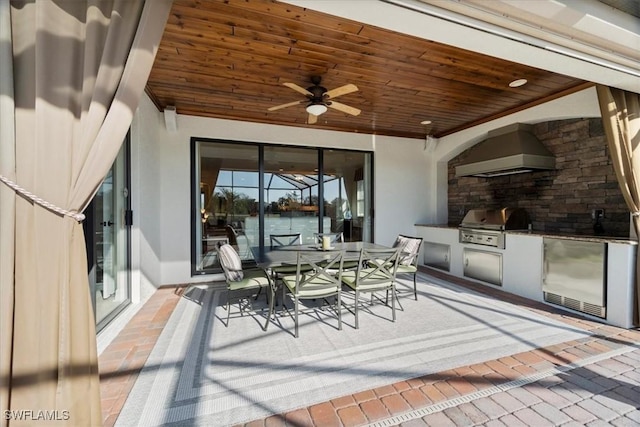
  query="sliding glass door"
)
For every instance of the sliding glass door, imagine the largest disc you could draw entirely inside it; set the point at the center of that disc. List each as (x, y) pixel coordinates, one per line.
(347, 193)
(226, 193)
(107, 235)
(243, 193)
(291, 185)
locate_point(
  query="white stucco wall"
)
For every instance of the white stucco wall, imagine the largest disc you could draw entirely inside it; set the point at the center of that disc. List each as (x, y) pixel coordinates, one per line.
(146, 231)
(410, 184)
(401, 186)
(410, 181)
(161, 187)
(581, 104)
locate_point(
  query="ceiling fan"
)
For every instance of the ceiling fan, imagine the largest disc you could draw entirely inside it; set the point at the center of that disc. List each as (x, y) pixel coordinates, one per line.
(318, 98)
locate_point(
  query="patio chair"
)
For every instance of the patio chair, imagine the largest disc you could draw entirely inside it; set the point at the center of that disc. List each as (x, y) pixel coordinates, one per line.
(242, 280)
(280, 240)
(408, 262)
(333, 237)
(376, 272)
(240, 242)
(277, 240)
(336, 237)
(317, 282)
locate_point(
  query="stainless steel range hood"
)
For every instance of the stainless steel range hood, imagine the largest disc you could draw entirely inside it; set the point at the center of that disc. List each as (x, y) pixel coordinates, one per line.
(506, 151)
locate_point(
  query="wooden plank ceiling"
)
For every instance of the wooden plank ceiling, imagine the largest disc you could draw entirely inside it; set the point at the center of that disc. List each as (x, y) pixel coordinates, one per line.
(229, 60)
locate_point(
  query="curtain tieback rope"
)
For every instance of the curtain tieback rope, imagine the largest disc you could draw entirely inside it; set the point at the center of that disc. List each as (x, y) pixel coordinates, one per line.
(636, 213)
(75, 215)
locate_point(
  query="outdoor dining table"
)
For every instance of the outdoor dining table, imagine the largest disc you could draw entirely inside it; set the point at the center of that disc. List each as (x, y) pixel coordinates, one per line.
(268, 258)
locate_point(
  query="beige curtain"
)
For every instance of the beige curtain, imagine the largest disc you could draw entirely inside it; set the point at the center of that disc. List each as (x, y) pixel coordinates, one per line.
(621, 118)
(79, 69)
(349, 175)
(7, 202)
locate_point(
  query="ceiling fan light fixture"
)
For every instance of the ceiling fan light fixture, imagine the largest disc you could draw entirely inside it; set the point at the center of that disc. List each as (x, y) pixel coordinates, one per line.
(316, 109)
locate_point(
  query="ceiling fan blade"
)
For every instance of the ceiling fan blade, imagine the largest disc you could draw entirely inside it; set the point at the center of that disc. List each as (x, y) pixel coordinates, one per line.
(344, 108)
(289, 104)
(342, 90)
(312, 119)
(298, 88)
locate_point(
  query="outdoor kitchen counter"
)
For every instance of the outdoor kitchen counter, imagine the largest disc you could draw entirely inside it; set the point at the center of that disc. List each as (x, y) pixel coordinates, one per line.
(569, 236)
(522, 264)
(580, 237)
(436, 225)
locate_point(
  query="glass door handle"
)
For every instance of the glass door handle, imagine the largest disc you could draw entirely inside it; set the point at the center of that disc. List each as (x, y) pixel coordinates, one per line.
(107, 223)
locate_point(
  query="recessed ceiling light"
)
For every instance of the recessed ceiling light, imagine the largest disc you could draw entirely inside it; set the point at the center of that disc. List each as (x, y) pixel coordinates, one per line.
(425, 122)
(518, 83)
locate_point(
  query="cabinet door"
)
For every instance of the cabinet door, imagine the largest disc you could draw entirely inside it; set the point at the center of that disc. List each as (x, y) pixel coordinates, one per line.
(575, 269)
(437, 255)
(483, 265)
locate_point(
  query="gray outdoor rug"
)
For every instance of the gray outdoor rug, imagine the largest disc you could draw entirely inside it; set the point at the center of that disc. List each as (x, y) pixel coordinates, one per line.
(203, 373)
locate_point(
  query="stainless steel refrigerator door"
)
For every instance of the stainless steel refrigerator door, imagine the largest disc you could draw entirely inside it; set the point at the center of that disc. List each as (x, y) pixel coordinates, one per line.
(575, 269)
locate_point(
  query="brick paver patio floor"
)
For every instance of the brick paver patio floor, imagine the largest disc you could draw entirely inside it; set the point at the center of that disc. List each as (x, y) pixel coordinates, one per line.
(592, 381)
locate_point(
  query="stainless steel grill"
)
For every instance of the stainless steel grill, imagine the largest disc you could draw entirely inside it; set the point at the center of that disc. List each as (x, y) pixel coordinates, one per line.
(487, 226)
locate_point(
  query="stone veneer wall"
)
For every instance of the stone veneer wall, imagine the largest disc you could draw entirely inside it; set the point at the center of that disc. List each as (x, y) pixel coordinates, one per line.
(558, 201)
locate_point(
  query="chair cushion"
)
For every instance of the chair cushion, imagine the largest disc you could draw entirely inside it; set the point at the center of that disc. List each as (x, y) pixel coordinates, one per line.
(285, 268)
(410, 245)
(289, 269)
(313, 288)
(350, 265)
(231, 262)
(407, 269)
(349, 278)
(371, 284)
(254, 278)
(399, 269)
